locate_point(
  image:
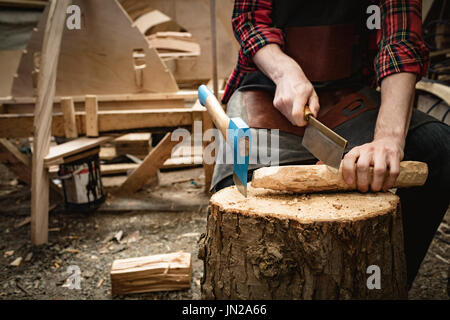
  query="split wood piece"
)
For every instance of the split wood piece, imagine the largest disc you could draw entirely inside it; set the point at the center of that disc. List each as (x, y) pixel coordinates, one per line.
(57, 153)
(163, 272)
(70, 123)
(149, 166)
(97, 59)
(91, 106)
(274, 245)
(20, 164)
(51, 44)
(317, 178)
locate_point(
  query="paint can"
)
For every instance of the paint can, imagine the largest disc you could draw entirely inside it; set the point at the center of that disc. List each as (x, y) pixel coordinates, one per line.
(82, 183)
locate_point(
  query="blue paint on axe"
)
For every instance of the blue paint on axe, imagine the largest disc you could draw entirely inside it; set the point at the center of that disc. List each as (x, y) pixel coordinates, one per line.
(236, 132)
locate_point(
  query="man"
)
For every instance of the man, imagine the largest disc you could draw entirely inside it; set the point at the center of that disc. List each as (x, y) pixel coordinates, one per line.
(321, 54)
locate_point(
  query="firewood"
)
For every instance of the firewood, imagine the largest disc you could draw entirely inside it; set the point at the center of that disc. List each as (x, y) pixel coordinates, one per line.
(317, 178)
(163, 272)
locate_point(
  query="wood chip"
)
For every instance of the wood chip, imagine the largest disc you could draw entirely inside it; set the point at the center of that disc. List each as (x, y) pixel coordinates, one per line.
(16, 262)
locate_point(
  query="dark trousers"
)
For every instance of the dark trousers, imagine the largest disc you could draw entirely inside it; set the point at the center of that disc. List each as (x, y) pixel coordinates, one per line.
(423, 208)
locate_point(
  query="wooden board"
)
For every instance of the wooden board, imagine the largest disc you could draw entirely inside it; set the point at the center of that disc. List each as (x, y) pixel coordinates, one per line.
(21, 125)
(149, 166)
(42, 124)
(163, 272)
(97, 59)
(316, 246)
(73, 147)
(9, 62)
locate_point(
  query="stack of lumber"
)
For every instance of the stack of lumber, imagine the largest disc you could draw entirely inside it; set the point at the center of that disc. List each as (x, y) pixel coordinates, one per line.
(163, 272)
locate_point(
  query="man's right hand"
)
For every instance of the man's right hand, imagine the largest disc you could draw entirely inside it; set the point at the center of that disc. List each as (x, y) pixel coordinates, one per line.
(293, 90)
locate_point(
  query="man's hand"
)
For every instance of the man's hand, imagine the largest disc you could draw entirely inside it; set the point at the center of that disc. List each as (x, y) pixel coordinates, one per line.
(383, 154)
(293, 90)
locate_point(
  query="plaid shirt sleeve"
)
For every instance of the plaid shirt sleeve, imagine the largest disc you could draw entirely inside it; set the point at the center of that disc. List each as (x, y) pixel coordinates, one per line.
(253, 29)
(400, 44)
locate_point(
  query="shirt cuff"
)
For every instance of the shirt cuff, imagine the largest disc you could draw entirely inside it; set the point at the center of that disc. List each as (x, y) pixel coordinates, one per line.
(402, 56)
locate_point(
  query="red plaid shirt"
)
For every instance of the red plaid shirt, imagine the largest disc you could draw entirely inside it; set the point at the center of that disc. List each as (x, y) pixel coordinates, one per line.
(399, 45)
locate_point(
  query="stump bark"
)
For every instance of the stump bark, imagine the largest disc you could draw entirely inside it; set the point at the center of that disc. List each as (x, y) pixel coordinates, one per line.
(278, 245)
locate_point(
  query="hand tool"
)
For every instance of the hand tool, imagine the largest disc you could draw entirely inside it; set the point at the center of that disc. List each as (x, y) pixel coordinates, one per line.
(325, 144)
(235, 131)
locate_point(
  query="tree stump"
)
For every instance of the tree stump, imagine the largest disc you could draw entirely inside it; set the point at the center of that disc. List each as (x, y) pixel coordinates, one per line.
(279, 245)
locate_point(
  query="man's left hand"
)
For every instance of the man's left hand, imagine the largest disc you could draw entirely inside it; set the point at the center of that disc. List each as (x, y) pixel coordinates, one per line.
(383, 154)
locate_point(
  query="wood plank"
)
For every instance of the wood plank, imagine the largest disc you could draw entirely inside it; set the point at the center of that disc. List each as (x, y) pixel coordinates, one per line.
(91, 106)
(73, 147)
(70, 123)
(149, 165)
(21, 125)
(163, 272)
(51, 46)
(319, 178)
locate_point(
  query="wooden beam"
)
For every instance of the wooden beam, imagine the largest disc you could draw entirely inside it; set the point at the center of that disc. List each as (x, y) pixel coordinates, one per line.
(91, 106)
(181, 94)
(70, 148)
(149, 165)
(43, 119)
(70, 123)
(163, 272)
(21, 125)
(20, 164)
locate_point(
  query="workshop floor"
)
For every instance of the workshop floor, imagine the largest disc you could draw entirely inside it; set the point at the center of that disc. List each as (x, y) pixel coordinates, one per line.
(87, 240)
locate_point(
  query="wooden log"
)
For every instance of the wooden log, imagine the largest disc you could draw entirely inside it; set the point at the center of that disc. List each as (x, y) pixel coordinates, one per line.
(91, 116)
(70, 123)
(275, 245)
(317, 178)
(43, 119)
(164, 272)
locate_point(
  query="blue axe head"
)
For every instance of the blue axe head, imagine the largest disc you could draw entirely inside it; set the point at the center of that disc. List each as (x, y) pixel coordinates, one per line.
(238, 136)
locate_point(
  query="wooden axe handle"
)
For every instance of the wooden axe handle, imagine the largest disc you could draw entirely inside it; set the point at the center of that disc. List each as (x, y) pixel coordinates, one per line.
(317, 178)
(215, 110)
